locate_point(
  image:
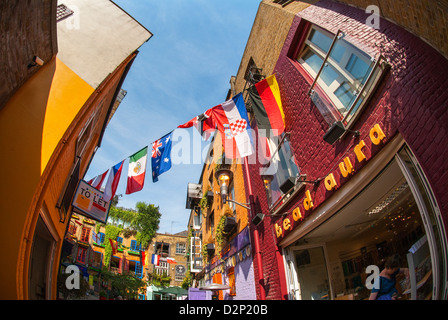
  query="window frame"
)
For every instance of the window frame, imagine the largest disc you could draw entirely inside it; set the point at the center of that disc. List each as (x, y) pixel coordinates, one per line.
(85, 234)
(326, 102)
(180, 250)
(83, 252)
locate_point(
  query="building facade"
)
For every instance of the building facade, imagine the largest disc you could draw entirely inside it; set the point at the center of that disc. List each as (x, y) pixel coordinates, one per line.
(219, 243)
(172, 251)
(54, 111)
(359, 173)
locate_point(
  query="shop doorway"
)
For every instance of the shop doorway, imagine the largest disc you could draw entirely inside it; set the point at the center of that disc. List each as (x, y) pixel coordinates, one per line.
(309, 273)
(394, 214)
(41, 262)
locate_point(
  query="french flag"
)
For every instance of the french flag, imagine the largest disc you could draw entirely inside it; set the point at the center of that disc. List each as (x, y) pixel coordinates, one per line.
(155, 259)
(112, 181)
(232, 122)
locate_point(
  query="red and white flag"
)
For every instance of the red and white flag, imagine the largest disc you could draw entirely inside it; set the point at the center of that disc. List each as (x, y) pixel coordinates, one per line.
(171, 260)
(232, 122)
(203, 123)
(97, 182)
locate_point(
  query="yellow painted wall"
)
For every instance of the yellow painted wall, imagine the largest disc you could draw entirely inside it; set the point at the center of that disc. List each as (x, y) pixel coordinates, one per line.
(31, 125)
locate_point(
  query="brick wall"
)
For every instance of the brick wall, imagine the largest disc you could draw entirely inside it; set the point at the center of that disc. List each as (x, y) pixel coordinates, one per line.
(28, 29)
(412, 101)
(427, 19)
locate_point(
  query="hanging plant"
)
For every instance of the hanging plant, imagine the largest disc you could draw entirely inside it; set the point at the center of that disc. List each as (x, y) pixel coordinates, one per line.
(204, 253)
(220, 233)
(204, 203)
(112, 232)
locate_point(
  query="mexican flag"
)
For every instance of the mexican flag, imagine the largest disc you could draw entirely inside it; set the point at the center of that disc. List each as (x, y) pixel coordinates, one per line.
(137, 170)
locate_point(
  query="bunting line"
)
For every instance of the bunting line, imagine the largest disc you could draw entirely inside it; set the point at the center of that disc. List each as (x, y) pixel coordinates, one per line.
(229, 117)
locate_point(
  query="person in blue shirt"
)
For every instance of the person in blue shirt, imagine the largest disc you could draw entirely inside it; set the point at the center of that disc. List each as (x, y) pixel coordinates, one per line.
(387, 290)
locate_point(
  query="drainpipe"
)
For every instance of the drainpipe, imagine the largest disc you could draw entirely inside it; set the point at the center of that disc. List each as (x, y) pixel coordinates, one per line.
(256, 236)
(252, 214)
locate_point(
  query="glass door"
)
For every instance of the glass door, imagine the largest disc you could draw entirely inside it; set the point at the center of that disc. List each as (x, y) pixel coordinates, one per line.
(308, 274)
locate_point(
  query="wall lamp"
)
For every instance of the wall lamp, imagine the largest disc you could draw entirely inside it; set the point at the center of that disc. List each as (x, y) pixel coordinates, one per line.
(224, 177)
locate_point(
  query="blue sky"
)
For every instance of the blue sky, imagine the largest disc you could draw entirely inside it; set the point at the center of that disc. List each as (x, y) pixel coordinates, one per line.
(183, 70)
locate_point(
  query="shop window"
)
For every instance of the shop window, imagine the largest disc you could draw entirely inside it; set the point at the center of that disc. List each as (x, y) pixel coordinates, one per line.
(432, 219)
(281, 174)
(344, 77)
(395, 214)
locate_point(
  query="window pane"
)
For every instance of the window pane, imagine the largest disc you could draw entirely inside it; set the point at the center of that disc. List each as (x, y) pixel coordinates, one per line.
(337, 52)
(329, 75)
(313, 60)
(357, 67)
(321, 40)
(344, 94)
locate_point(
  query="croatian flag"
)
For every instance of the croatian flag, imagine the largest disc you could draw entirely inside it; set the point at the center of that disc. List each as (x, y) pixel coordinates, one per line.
(161, 156)
(232, 122)
(155, 259)
(112, 181)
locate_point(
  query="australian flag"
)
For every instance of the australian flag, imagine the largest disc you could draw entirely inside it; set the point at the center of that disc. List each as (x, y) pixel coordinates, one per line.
(161, 156)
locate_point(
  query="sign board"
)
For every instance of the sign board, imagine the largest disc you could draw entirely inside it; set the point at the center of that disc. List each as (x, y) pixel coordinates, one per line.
(90, 201)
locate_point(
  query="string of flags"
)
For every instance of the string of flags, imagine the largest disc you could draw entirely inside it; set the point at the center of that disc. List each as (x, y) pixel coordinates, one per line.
(229, 118)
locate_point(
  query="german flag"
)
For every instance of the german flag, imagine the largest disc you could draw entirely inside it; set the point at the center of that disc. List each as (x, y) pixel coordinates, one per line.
(267, 105)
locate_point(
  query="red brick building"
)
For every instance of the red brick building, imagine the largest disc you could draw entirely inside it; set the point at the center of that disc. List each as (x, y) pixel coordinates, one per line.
(361, 174)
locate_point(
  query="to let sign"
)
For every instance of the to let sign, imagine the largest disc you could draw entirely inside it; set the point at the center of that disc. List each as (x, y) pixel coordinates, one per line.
(90, 201)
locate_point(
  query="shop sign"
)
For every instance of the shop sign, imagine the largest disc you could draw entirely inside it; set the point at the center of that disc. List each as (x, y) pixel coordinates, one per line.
(346, 168)
(90, 202)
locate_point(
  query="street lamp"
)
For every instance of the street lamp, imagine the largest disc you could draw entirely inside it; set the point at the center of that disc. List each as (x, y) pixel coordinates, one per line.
(224, 177)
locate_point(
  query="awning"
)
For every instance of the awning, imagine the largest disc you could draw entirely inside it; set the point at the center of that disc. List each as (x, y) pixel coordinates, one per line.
(174, 290)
